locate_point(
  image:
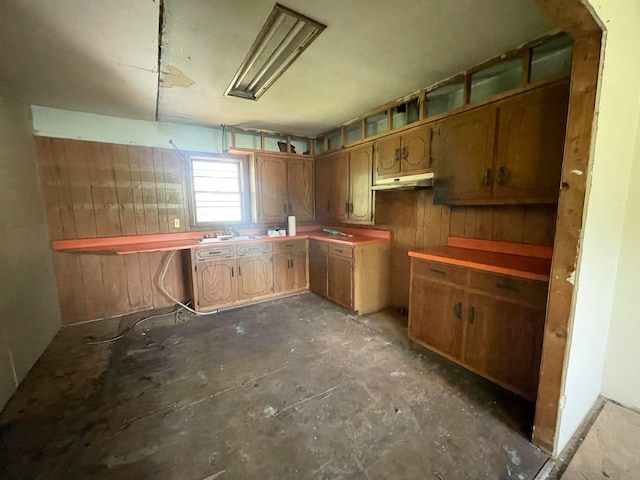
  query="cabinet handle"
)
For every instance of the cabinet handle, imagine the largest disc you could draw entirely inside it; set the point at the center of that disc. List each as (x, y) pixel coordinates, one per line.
(438, 272)
(397, 154)
(231, 272)
(487, 178)
(346, 207)
(351, 207)
(292, 263)
(502, 175)
(216, 252)
(508, 288)
(239, 271)
(405, 152)
(472, 314)
(457, 310)
(288, 263)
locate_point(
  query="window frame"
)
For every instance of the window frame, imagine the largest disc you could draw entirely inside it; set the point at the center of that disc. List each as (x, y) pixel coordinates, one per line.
(243, 165)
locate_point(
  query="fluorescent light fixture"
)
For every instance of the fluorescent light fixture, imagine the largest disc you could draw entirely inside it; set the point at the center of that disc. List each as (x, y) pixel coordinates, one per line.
(283, 37)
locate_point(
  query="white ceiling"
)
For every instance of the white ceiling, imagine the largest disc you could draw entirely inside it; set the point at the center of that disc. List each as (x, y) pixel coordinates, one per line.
(101, 56)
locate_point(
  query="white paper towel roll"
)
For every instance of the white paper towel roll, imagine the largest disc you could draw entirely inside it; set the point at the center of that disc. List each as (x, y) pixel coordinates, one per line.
(292, 226)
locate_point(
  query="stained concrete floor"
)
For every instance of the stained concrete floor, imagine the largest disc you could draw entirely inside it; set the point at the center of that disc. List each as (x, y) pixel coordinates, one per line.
(295, 388)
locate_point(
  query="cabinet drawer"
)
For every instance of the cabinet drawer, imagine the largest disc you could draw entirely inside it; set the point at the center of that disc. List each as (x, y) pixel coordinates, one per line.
(204, 254)
(317, 246)
(253, 249)
(531, 291)
(340, 250)
(291, 246)
(440, 271)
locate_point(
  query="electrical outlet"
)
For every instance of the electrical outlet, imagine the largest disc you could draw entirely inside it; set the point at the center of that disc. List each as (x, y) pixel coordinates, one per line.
(176, 223)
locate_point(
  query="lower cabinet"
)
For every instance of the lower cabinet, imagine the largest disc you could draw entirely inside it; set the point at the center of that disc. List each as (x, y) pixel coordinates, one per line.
(216, 284)
(246, 273)
(356, 277)
(290, 266)
(492, 324)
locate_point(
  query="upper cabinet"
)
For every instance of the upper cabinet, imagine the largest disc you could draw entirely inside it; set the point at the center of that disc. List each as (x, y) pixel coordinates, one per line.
(343, 186)
(503, 153)
(407, 153)
(282, 186)
(531, 144)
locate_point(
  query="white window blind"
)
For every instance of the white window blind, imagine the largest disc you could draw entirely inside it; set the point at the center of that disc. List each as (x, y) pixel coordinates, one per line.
(217, 190)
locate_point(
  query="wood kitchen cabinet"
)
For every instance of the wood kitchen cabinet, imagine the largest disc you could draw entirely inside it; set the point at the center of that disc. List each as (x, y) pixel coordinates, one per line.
(290, 266)
(490, 323)
(356, 277)
(282, 186)
(255, 277)
(506, 152)
(360, 193)
(464, 157)
(343, 186)
(318, 267)
(216, 283)
(408, 153)
(530, 145)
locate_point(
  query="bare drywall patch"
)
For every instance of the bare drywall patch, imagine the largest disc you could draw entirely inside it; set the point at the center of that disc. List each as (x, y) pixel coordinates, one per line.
(174, 77)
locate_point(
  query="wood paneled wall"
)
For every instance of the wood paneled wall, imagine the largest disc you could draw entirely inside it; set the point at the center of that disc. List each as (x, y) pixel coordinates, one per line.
(415, 222)
(98, 189)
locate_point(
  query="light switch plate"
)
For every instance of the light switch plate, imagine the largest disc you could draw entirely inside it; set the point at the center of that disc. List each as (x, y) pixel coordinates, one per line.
(176, 223)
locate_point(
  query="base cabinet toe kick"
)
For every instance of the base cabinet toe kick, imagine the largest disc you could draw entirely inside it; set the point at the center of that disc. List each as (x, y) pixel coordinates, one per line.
(491, 324)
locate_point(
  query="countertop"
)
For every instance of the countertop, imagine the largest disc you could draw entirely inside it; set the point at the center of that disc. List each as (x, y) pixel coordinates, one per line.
(187, 240)
(519, 260)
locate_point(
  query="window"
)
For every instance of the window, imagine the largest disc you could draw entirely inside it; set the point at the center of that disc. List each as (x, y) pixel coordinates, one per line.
(218, 188)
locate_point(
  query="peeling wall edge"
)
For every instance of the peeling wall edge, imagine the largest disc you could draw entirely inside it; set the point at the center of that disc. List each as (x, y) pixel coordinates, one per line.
(57, 123)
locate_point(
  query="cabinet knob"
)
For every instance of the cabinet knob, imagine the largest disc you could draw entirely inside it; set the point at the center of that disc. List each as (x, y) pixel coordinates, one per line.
(502, 176)
(397, 157)
(472, 314)
(457, 310)
(405, 152)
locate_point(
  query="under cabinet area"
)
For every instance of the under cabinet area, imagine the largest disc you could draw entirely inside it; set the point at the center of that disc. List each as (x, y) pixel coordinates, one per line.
(489, 323)
(356, 277)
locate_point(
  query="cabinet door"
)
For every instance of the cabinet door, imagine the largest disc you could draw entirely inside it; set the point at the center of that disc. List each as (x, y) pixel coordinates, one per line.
(217, 285)
(339, 179)
(435, 316)
(340, 283)
(416, 150)
(464, 157)
(387, 156)
(317, 270)
(255, 278)
(504, 342)
(531, 144)
(299, 270)
(271, 189)
(323, 187)
(282, 278)
(360, 178)
(300, 188)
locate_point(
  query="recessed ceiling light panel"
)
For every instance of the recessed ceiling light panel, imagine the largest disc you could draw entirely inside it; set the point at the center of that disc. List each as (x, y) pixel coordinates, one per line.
(283, 37)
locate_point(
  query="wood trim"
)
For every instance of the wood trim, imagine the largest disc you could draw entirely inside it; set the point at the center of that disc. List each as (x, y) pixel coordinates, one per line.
(574, 16)
(538, 251)
(436, 118)
(584, 77)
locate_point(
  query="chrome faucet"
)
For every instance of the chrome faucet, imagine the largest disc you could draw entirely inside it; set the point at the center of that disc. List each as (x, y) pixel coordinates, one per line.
(230, 231)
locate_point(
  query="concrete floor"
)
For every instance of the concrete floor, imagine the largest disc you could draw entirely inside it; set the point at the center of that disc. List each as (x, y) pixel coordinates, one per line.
(296, 388)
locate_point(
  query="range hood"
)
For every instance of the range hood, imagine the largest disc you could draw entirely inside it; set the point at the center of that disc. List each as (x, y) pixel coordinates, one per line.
(406, 182)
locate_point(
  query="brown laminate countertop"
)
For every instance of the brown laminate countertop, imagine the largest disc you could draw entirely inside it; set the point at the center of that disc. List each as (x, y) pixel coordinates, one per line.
(524, 261)
(187, 240)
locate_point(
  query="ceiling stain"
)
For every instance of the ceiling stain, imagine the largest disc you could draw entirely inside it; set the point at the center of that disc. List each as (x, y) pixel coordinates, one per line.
(174, 77)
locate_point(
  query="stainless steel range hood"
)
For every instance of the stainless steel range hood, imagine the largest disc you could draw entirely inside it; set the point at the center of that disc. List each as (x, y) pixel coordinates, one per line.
(407, 182)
